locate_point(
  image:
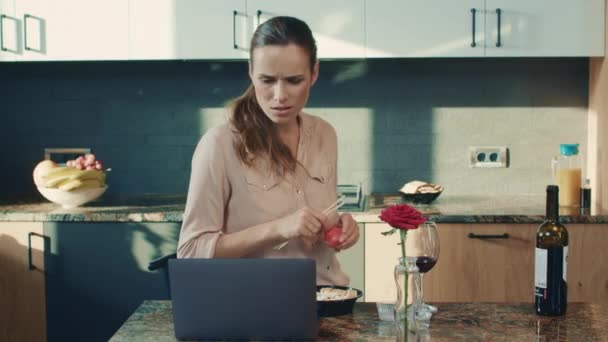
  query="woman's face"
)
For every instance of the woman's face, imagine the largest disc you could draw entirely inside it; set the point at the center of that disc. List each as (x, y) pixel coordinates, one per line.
(282, 77)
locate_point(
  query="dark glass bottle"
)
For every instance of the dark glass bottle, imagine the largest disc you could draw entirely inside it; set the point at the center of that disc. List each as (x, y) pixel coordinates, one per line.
(551, 260)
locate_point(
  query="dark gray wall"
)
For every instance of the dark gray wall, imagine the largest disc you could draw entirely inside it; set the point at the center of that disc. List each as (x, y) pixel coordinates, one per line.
(397, 120)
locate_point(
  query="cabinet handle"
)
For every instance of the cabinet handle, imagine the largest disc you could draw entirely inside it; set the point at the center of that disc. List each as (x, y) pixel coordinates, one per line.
(234, 13)
(498, 13)
(473, 11)
(259, 14)
(25, 18)
(2, 16)
(31, 266)
(488, 236)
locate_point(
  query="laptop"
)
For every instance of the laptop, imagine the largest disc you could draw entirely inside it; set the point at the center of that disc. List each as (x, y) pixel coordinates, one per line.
(244, 299)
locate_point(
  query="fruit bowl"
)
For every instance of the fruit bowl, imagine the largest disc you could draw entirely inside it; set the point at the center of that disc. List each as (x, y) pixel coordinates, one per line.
(71, 199)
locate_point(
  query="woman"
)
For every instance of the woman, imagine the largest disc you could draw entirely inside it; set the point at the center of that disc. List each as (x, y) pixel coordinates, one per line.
(266, 176)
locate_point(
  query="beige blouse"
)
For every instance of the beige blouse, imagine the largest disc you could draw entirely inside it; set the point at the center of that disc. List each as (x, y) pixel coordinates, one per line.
(226, 196)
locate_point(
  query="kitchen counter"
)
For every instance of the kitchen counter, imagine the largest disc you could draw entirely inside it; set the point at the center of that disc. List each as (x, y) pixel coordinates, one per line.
(153, 321)
(170, 208)
(145, 208)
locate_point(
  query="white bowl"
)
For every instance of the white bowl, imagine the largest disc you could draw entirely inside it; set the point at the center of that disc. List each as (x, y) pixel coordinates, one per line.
(71, 199)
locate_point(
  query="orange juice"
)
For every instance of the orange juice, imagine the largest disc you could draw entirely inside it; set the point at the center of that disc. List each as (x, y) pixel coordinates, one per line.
(569, 182)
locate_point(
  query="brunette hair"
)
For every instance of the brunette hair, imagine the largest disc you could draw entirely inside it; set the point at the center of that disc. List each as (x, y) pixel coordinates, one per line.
(257, 134)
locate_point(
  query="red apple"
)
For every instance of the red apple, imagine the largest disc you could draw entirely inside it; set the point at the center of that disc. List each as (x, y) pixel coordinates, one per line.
(332, 236)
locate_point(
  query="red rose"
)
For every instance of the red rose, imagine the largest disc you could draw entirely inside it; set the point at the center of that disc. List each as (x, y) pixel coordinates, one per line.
(402, 216)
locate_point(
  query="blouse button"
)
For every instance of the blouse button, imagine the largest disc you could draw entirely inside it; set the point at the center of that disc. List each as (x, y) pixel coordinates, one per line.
(265, 186)
(299, 191)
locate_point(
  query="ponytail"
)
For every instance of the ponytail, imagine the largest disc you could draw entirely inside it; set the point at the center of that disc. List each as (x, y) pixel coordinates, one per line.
(258, 136)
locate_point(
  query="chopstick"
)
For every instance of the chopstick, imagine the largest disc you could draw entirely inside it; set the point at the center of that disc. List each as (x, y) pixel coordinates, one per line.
(337, 204)
(333, 207)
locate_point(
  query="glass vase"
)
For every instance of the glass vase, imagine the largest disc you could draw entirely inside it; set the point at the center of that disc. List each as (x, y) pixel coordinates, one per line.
(407, 281)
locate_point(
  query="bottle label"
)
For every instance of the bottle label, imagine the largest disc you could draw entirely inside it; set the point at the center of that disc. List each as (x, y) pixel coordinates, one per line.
(540, 268)
(565, 262)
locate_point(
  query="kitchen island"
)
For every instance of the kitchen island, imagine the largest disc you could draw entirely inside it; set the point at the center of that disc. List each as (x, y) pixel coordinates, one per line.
(102, 250)
(153, 321)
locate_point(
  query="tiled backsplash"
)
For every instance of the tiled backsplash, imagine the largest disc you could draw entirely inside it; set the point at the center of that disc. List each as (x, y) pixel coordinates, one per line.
(397, 120)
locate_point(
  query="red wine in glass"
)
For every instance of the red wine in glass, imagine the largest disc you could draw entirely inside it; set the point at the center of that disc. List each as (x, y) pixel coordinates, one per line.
(425, 263)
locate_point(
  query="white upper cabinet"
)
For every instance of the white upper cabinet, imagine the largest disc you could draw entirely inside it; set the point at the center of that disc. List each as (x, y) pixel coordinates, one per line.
(9, 31)
(73, 29)
(470, 28)
(545, 28)
(337, 25)
(425, 28)
(55, 30)
(188, 29)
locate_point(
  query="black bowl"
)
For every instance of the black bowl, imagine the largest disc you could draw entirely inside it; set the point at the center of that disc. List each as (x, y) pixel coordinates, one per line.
(421, 198)
(330, 308)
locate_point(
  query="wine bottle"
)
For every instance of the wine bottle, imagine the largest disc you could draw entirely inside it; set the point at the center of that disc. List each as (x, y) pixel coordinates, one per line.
(551, 260)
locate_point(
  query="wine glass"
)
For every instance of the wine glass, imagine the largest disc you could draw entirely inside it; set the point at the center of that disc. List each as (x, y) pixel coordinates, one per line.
(422, 247)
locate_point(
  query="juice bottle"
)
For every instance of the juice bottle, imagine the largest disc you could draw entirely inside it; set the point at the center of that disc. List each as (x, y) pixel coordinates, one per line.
(568, 176)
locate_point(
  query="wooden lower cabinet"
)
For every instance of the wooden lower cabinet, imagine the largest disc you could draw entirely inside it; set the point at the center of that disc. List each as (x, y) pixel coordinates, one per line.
(587, 268)
(483, 269)
(468, 269)
(490, 270)
(22, 296)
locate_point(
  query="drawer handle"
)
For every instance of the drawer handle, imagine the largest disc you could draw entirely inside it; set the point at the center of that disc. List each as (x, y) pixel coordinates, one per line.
(31, 266)
(488, 236)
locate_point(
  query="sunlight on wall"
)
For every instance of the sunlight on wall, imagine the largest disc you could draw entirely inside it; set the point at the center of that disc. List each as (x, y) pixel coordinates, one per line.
(150, 244)
(523, 130)
(352, 72)
(211, 117)
(354, 127)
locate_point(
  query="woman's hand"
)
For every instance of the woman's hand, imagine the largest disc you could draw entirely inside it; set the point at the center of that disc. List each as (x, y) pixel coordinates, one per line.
(306, 223)
(350, 232)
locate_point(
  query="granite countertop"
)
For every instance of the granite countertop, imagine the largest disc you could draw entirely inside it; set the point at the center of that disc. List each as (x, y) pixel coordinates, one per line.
(144, 208)
(153, 321)
(170, 208)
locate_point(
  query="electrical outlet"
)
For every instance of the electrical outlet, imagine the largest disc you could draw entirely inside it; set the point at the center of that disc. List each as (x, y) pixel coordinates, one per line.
(488, 156)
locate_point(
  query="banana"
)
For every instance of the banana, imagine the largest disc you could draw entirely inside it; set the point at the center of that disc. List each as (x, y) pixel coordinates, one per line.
(61, 176)
(76, 184)
(97, 175)
(57, 181)
(70, 185)
(55, 178)
(54, 172)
